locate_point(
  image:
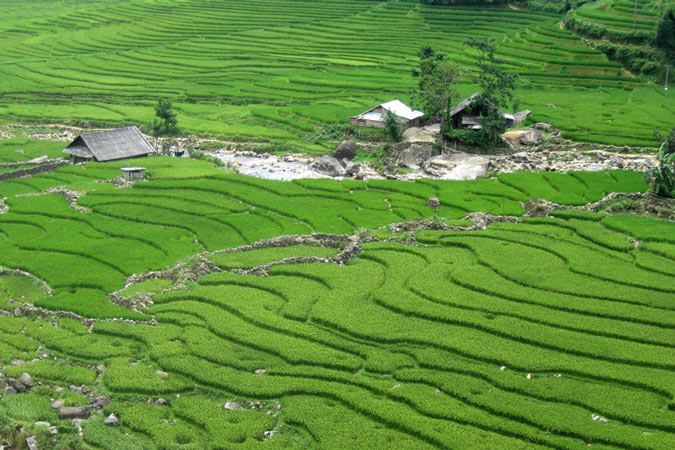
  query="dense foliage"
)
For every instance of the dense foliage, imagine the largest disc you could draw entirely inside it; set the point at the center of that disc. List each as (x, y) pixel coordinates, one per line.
(436, 89)
(665, 35)
(662, 178)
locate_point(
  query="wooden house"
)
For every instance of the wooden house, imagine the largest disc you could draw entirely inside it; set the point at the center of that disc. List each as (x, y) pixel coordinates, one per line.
(374, 117)
(110, 145)
(465, 117)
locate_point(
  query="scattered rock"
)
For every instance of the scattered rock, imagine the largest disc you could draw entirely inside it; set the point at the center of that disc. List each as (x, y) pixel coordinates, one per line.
(415, 154)
(56, 405)
(77, 389)
(352, 169)
(533, 137)
(161, 373)
(17, 385)
(457, 166)
(45, 425)
(112, 421)
(9, 390)
(616, 161)
(161, 402)
(598, 418)
(543, 126)
(269, 434)
(328, 165)
(434, 202)
(234, 406)
(26, 380)
(77, 423)
(31, 442)
(529, 376)
(99, 402)
(260, 372)
(53, 430)
(100, 369)
(550, 105)
(346, 150)
(502, 368)
(18, 362)
(79, 412)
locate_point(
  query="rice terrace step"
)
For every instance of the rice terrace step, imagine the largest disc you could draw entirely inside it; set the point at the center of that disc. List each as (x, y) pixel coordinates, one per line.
(337, 224)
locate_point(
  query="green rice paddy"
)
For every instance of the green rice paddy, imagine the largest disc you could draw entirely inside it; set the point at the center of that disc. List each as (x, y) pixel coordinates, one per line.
(274, 71)
(547, 333)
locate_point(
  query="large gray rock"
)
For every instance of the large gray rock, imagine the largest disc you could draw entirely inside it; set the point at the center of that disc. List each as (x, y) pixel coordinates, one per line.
(26, 380)
(533, 137)
(328, 165)
(415, 134)
(9, 390)
(346, 150)
(414, 155)
(79, 412)
(56, 405)
(17, 385)
(457, 166)
(112, 421)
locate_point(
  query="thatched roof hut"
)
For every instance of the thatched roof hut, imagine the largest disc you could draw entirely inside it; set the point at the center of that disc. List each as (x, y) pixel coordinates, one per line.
(110, 145)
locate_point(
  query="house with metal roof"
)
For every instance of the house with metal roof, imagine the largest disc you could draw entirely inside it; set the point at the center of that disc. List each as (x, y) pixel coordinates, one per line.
(110, 145)
(374, 117)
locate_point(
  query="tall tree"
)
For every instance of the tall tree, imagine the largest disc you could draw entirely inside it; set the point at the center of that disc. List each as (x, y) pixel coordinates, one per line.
(436, 87)
(165, 122)
(496, 89)
(665, 36)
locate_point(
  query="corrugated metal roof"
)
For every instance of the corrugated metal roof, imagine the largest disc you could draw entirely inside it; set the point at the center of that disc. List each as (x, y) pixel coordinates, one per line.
(113, 144)
(397, 107)
(402, 110)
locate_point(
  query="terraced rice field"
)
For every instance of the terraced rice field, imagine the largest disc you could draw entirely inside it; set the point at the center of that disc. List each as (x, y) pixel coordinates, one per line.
(275, 71)
(544, 333)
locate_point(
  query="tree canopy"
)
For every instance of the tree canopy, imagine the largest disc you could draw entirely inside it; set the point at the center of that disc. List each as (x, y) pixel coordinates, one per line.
(436, 87)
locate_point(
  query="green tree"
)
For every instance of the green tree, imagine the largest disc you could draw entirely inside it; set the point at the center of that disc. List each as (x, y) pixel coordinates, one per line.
(166, 122)
(665, 36)
(662, 178)
(436, 88)
(496, 90)
(392, 126)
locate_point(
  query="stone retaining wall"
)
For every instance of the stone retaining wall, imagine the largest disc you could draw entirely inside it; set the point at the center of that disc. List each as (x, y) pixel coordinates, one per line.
(47, 166)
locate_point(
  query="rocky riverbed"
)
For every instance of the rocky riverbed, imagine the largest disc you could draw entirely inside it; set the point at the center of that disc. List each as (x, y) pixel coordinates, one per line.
(418, 156)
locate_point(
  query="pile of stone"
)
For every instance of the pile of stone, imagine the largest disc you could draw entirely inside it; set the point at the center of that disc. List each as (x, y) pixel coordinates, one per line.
(340, 164)
(11, 386)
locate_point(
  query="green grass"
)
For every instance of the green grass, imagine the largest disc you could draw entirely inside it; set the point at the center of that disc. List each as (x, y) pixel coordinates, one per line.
(511, 337)
(232, 75)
